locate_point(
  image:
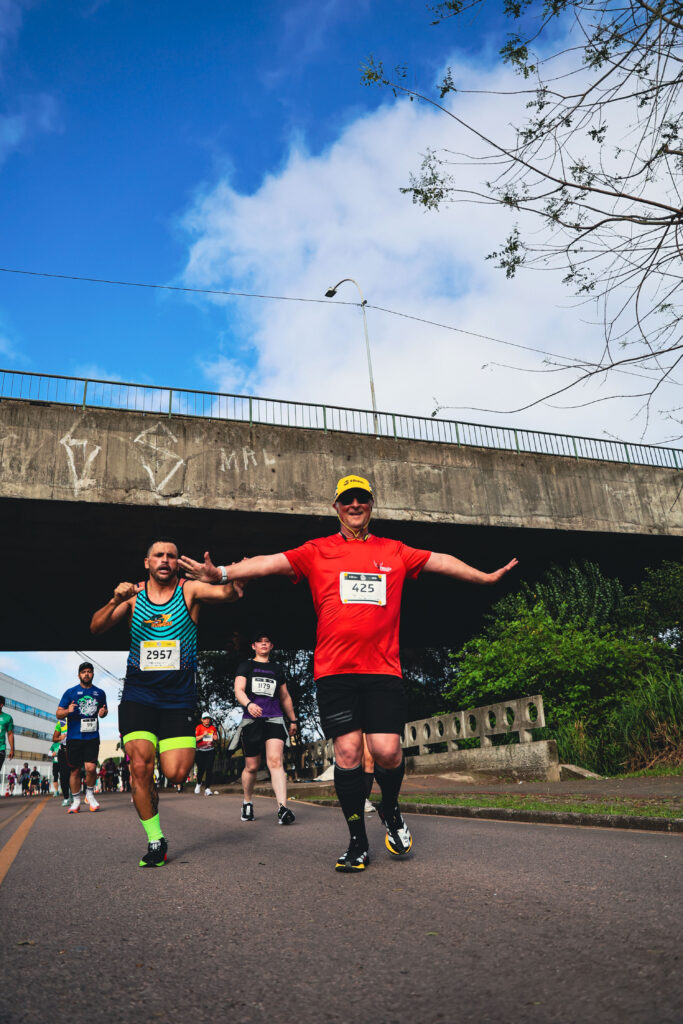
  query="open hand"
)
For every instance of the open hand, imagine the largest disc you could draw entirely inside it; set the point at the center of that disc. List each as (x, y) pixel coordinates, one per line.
(495, 576)
(205, 572)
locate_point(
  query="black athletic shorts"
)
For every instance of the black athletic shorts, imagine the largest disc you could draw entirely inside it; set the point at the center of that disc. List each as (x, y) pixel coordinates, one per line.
(78, 752)
(169, 728)
(257, 732)
(55, 771)
(2, 757)
(371, 703)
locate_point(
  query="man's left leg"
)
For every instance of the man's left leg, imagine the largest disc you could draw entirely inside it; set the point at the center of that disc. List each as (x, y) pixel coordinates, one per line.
(90, 778)
(278, 778)
(389, 771)
(384, 717)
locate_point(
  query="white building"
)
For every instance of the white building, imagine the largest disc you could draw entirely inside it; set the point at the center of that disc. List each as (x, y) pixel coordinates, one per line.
(34, 715)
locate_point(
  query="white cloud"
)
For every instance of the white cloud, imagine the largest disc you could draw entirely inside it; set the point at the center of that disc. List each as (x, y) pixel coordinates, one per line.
(340, 213)
(32, 115)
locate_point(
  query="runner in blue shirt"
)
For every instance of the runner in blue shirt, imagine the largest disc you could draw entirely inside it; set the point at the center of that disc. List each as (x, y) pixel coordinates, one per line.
(83, 705)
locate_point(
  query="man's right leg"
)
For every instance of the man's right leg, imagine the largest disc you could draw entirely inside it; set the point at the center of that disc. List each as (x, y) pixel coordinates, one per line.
(142, 754)
(349, 784)
(74, 761)
(138, 724)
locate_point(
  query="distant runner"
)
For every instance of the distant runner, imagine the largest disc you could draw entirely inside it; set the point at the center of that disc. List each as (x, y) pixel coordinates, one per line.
(159, 692)
(82, 706)
(261, 689)
(206, 735)
(356, 580)
(6, 734)
(60, 769)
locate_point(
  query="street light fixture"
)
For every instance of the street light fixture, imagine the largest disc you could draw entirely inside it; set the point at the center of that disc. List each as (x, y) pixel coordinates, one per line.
(330, 294)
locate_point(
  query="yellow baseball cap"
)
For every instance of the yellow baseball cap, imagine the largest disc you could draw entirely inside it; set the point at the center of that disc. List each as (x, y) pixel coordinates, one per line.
(351, 483)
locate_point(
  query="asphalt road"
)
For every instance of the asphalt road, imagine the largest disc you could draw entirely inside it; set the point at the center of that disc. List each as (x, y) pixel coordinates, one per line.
(250, 923)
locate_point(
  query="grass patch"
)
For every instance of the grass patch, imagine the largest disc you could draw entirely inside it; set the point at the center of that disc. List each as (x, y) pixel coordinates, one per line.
(660, 772)
(655, 808)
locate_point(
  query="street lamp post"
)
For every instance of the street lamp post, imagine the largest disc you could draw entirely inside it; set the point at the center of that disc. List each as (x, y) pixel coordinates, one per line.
(329, 294)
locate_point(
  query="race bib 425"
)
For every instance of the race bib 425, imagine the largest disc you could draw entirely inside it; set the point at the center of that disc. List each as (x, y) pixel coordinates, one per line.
(363, 587)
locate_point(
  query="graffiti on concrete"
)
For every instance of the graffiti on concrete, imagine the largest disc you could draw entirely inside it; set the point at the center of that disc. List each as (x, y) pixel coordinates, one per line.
(160, 462)
(79, 459)
(234, 459)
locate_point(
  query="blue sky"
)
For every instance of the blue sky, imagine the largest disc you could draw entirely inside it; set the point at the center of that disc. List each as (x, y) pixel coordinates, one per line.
(116, 116)
(232, 145)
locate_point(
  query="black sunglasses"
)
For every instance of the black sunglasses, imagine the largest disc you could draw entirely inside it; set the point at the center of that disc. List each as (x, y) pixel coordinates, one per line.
(362, 497)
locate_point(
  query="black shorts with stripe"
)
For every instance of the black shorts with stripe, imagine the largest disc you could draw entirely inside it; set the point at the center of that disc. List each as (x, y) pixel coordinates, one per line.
(351, 701)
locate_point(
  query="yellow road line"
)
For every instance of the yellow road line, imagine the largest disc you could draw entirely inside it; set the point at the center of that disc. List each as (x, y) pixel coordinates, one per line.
(15, 815)
(16, 841)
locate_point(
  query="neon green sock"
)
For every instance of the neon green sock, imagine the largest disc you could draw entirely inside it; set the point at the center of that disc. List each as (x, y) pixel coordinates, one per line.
(152, 828)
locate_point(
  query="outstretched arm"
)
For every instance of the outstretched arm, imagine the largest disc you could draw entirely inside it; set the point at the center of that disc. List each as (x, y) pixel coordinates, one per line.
(207, 594)
(448, 565)
(247, 569)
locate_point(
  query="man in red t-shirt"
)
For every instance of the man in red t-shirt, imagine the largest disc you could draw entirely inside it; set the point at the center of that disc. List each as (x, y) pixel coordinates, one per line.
(356, 580)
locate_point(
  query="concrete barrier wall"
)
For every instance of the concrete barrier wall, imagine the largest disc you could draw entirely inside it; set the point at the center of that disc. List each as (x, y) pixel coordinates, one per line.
(528, 759)
(55, 452)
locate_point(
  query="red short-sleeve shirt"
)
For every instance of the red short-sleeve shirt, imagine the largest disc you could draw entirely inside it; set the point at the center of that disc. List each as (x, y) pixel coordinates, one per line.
(356, 637)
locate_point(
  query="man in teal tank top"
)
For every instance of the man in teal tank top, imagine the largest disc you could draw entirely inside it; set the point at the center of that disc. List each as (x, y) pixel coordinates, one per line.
(159, 691)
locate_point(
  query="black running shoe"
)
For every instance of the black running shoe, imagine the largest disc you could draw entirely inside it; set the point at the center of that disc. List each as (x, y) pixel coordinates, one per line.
(398, 839)
(285, 816)
(156, 855)
(247, 812)
(355, 859)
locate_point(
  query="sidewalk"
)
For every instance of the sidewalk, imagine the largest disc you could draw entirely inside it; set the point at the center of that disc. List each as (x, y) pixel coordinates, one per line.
(658, 799)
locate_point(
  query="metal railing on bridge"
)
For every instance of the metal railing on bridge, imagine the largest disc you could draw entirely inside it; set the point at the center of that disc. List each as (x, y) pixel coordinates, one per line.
(85, 393)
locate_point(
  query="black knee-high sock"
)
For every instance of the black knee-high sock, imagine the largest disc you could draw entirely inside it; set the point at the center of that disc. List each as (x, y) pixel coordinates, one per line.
(389, 781)
(350, 786)
(368, 778)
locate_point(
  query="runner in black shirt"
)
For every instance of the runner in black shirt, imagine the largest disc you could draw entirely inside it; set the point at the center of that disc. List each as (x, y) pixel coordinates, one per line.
(261, 689)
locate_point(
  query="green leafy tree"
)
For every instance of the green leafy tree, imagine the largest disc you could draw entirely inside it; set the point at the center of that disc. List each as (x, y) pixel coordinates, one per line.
(593, 163)
(427, 675)
(580, 670)
(581, 592)
(655, 606)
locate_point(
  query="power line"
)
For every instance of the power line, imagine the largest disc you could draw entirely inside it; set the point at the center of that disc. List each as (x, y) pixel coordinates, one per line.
(278, 298)
(174, 287)
(102, 668)
(570, 361)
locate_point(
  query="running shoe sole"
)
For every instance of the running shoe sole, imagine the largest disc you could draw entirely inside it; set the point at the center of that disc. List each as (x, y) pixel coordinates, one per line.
(144, 863)
(398, 845)
(352, 866)
(73, 810)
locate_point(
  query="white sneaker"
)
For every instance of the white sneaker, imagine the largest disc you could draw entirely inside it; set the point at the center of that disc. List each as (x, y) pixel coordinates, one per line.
(369, 808)
(197, 788)
(92, 802)
(208, 792)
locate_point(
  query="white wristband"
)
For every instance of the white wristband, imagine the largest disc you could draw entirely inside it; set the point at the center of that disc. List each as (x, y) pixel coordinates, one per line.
(224, 573)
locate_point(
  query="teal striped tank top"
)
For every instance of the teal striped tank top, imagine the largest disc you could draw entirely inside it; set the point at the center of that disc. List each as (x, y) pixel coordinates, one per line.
(162, 659)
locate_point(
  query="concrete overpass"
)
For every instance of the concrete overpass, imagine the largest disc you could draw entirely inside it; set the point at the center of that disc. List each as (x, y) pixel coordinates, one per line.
(82, 489)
